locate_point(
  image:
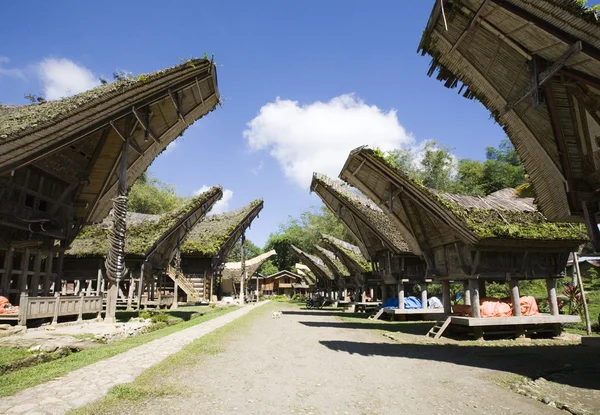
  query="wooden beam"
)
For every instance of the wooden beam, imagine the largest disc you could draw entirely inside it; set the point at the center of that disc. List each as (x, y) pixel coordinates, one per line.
(34, 289)
(124, 136)
(48, 272)
(175, 100)
(145, 125)
(24, 272)
(589, 216)
(7, 274)
(469, 26)
(199, 90)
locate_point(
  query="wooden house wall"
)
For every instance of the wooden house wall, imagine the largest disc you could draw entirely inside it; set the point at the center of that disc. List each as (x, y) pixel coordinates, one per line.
(196, 265)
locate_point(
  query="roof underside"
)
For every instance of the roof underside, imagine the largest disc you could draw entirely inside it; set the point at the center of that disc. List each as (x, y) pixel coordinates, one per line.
(215, 236)
(496, 48)
(233, 270)
(153, 237)
(349, 254)
(332, 262)
(315, 264)
(73, 138)
(438, 219)
(364, 219)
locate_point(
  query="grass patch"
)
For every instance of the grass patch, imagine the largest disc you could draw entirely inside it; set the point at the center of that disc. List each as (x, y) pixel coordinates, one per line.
(126, 398)
(32, 376)
(9, 355)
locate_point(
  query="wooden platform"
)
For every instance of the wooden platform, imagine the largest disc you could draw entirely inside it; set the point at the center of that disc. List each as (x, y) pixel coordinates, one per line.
(512, 321)
(414, 311)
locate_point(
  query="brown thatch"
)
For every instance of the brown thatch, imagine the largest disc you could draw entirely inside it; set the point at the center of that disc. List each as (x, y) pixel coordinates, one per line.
(315, 264)
(78, 140)
(437, 219)
(363, 218)
(495, 48)
(233, 270)
(216, 235)
(154, 238)
(332, 262)
(349, 254)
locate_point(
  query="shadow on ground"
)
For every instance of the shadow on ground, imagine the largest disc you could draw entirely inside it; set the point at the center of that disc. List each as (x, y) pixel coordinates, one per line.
(576, 366)
(417, 328)
(312, 312)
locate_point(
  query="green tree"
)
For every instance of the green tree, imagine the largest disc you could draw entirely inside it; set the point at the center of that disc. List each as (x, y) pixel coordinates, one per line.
(268, 268)
(150, 195)
(236, 252)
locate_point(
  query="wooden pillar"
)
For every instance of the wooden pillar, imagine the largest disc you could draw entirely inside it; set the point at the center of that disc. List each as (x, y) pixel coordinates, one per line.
(23, 300)
(482, 289)
(372, 293)
(99, 281)
(446, 297)
(384, 293)
(423, 295)
(111, 302)
(88, 288)
(516, 298)
(586, 312)
(131, 291)
(210, 294)
(7, 275)
(140, 287)
(77, 287)
(24, 272)
(59, 272)
(56, 307)
(401, 295)
(175, 293)
(34, 289)
(552, 300)
(475, 308)
(80, 305)
(466, 293)
(243, 276)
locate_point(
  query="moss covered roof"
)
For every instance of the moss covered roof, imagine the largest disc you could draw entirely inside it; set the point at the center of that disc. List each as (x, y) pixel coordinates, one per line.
(143, 231)
(331, 259)
(233, 270)
(19, 120)
(210, 235)
(350, 250)
(368, 211)
(316, 264)
(499, 215)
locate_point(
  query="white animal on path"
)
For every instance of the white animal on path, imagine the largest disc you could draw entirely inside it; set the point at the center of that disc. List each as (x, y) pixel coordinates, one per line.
(276, 314)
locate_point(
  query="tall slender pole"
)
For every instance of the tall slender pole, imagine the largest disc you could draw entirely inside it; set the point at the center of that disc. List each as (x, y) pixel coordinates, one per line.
(243, 276)
(586, 313)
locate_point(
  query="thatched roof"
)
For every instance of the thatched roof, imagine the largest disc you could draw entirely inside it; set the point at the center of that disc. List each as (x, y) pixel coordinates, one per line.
(79, 139)
(436, 219)
(153, 237)
(349, 254)
(332, 262)
(233, 270)
(306, 274)
(495, 48)
(363, 218)
(215, 236)
(314, 263)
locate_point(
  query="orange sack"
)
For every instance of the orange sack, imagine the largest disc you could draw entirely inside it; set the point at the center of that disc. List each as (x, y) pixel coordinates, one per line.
(493, 307)
(529, 306)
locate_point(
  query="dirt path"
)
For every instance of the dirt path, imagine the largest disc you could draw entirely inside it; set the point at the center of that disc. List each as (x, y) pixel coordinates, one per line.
(296, 365)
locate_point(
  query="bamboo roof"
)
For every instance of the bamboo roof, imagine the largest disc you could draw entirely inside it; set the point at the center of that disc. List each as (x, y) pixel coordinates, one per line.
(215, 236)
(233, 270)
(315, 264)
(306, 274)
(79, 139)
(153, 237)
(349, 254)
(332, 262)
(436, 219)
(494, 48)
(363, 218)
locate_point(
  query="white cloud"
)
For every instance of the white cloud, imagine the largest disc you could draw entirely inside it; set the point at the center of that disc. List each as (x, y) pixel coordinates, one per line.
(63, 77)
(10, 72)
(170, 148)
(223, 204)
(319, 136)
(258, 168)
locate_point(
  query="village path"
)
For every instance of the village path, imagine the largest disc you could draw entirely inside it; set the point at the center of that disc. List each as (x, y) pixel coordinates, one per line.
(92, 382)
(309, 362)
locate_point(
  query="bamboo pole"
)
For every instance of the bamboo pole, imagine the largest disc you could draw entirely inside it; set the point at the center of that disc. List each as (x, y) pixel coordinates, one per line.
(586, 313)
(243, 276)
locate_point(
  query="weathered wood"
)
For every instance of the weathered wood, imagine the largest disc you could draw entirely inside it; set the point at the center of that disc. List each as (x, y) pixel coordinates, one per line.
(384, 292)
(466, 293)
(35, 279)
(130, 292)
(586, 312)
(423, 295)
(59, 272)
(401, 295)
(7, 274)
(23, 306)
(513, 321)
(469, 26)
(24, 271)
(140, 286)
(145, 125)
(552, 299)
(475, 308)
(48, 272)
(243, 276)
(515, 296)
(446, 297)
(175, 294)
(482, 289)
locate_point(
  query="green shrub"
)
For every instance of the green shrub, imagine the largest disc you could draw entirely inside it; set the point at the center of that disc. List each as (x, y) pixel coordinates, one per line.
(497, 290)
(159, 317)
(298, 297)
(280, 298)
(145, 314)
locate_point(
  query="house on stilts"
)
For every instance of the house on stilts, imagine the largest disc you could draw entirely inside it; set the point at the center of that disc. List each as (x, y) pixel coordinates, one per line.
(63, 162)
(500, 238)
(233, 272)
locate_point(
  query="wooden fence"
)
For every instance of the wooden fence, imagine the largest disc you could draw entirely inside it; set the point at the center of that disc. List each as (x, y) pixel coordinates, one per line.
(58, 306)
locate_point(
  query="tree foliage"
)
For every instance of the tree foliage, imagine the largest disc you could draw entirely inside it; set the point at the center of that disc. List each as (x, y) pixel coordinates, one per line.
(305, 233)
(437, 168)
(150, 195)
(236, 252)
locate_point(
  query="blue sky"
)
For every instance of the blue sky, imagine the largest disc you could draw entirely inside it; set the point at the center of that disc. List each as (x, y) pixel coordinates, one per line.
(342, 70)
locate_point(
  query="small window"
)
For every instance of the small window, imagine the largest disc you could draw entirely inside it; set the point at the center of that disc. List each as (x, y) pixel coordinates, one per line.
(29, 199)
(43, 206)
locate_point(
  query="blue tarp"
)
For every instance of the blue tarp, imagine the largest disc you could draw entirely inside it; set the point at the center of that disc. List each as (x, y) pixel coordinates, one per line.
(409, 303)
(391, 303)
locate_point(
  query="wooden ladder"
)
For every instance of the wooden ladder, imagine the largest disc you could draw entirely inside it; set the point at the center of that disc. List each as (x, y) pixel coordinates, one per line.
(184, 283)
(376, 314)
(438, 328)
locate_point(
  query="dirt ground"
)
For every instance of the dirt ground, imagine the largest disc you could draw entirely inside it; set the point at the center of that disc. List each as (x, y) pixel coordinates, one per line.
(310, 362)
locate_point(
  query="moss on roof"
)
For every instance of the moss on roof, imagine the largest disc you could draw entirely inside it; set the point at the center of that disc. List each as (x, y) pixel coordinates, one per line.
(496, 222)
(17, 120)
(209, 235)
(143, 231)
(351, 251)
(340, 268)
